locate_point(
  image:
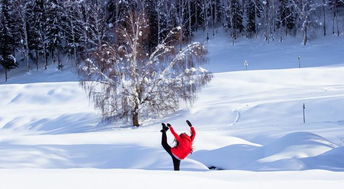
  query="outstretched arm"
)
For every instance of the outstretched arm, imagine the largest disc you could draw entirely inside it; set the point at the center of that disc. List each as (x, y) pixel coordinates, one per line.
(176, 136)
(193, 133)
(192, 130)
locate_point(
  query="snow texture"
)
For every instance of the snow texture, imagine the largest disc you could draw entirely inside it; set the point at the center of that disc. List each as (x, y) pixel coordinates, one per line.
(246, 122)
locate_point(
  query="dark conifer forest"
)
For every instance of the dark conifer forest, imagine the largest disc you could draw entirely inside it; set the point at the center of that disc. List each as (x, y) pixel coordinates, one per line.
(35, 33)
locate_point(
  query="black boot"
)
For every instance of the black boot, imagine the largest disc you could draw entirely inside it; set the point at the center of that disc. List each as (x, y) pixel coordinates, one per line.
(164, 128)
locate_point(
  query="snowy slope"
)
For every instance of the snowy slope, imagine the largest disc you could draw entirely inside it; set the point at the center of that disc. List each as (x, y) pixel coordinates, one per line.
(53, 125)
(261, 55)
(245, 120)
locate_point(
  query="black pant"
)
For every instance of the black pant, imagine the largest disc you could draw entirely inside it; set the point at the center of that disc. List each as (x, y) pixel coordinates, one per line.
(176, 162)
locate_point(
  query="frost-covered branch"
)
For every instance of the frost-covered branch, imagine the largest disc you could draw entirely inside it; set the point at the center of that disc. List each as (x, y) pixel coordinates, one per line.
(140, 84)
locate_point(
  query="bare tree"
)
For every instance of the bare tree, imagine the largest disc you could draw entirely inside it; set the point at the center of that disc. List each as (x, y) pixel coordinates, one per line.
(126, 82)
(305, 8)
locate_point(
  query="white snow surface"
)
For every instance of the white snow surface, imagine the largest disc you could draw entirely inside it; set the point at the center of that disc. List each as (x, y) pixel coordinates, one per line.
(132, 179)
(249, 125)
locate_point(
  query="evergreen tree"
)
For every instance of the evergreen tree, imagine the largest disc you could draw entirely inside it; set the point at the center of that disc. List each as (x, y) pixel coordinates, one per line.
(38, 29)
(54, 19)
(286, 16)
(73, 29)
(21, 9)
(235, 18)
(250, 17)
(118, 10)
(7, 39)
(33, 36)
(94, 23)
(335, 5)
(153, 16)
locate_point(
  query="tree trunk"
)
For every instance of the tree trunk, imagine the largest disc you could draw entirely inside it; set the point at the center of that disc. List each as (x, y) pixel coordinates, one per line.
(74, 44)
(136, 119)
(334, 18)
(196, 16)
(36, 61)
(5, 75)
(58, 57)
(267, 23)
(45, 57)
(159, 27)
(76, 62)
(212, 17)
(337, 22)
(60, 65)
(305, 35)
(190, 26)
(53, 56)
(273, 17)
(324, 17)
(206, 20)
(117, 14)
(26, 46)
(256, 20)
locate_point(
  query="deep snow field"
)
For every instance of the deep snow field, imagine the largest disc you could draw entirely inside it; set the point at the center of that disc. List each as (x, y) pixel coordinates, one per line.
(249, 124)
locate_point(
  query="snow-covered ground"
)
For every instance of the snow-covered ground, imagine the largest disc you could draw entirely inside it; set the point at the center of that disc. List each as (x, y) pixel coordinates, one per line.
(109, 179)
(248, 122)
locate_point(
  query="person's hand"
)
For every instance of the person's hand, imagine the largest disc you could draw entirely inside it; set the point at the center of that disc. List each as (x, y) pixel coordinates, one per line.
(169, 125)
(164, 127)
(189, 123)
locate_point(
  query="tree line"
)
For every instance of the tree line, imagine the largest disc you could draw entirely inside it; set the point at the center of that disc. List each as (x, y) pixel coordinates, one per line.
(35, 31)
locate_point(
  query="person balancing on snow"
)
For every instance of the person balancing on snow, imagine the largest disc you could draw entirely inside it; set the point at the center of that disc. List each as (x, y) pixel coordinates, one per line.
(183, 147)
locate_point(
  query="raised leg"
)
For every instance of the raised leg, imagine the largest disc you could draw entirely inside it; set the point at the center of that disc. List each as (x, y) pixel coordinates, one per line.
(164, 143)
(167, 147)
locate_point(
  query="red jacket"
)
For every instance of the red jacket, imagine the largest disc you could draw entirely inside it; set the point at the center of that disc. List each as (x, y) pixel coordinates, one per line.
(184, 143)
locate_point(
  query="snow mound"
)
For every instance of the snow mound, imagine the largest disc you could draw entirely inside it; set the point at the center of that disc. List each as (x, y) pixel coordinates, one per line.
(296, 145)
(290, 152)
(49, 107)
(331, 160)
(230, 157)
